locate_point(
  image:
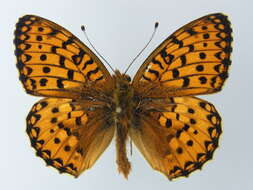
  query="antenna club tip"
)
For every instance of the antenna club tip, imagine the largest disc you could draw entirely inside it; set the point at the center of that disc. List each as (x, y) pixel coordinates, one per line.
(156, 24)
(83, 28)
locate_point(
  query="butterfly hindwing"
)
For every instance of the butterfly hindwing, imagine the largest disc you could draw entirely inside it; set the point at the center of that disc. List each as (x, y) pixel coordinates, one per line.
(67, 135)
(52, 61)
(180, 140)
(193, 60)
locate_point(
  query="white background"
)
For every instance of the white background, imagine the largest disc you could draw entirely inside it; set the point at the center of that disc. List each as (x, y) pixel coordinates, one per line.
(119, 29)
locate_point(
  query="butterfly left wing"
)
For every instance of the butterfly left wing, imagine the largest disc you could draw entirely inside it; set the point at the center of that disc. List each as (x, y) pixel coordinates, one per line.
(53, 62)
(193, 60)
(68, 135)
(178, 138)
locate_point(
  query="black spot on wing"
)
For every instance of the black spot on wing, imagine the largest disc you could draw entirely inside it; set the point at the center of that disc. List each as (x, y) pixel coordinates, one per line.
(156, 73)
(92, 72)
(157, 63)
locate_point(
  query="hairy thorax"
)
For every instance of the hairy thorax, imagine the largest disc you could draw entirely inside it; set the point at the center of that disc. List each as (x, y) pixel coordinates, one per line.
(122, 96)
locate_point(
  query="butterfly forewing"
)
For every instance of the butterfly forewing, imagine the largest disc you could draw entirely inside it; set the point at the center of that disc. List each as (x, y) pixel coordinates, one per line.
(193, 60)
(52, 61)
(67, 136)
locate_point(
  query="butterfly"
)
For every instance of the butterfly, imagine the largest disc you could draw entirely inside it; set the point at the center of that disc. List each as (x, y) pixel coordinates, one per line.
(85, 106)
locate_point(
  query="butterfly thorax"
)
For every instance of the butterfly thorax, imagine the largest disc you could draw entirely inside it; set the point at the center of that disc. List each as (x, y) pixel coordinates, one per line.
(122, 94)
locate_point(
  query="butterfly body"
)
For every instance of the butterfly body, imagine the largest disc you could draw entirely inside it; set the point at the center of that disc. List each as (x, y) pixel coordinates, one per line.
(85, 106)
(123, 108)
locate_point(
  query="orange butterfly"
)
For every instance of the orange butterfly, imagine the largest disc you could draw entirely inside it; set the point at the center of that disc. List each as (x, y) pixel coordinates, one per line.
(86, 106)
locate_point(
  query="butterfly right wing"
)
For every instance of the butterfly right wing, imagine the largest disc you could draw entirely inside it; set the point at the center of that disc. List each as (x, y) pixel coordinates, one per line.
(193, 60)
(180, 138)
(69, 135)
(53, 62)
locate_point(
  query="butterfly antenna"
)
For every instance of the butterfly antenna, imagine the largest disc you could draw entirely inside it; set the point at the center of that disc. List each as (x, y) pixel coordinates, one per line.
(84, 31)
(152, 36)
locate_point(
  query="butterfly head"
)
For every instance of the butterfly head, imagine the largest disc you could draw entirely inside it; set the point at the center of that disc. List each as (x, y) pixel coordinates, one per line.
(122, 81)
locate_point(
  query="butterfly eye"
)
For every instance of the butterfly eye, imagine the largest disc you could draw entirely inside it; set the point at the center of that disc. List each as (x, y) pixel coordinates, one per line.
(128, 78)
